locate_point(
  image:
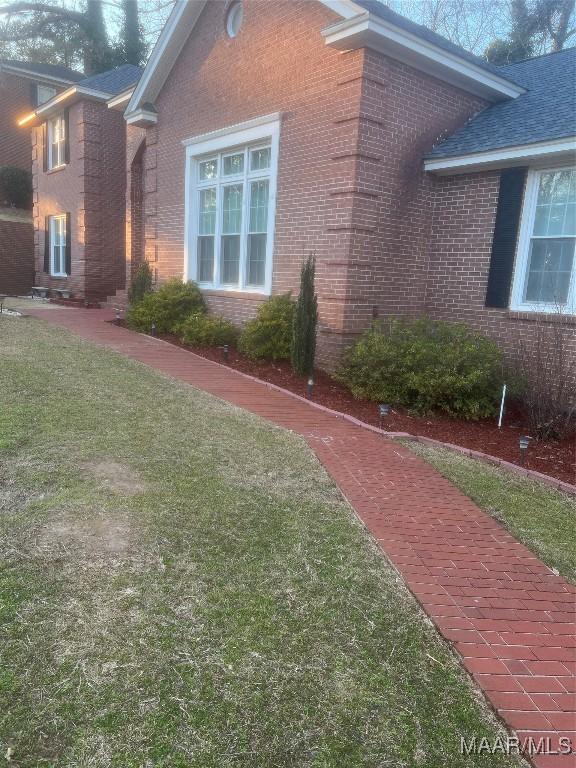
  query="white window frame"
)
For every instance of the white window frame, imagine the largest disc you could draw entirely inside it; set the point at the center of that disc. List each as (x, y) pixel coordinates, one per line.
(254, 134)
(53, 223)
(523, 251)
(47, 89)
(56, 125)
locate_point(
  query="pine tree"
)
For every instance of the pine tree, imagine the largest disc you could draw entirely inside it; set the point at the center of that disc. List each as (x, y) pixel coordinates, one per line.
(305, 321)
(133, 45)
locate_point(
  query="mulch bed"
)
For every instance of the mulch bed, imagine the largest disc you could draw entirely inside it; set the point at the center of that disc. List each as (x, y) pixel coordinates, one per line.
(556, 458)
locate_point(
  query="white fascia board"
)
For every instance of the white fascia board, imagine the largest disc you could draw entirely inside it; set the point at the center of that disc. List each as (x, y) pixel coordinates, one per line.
(30, 74)
(501, 158)
(243, 133)
(176, 31)
(141, 118)
(74, 93)
(120, 101)
(366, 30)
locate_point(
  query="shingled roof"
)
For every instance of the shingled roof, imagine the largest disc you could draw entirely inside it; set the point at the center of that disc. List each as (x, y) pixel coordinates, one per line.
(114, 80)
(47, 70)
(547, 111)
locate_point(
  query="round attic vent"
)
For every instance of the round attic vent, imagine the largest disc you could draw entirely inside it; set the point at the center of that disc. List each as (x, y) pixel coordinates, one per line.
(234, 19)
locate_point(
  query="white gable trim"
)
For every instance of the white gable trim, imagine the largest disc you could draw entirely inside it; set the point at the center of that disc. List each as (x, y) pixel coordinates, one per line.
(500, 158)
(75, 93)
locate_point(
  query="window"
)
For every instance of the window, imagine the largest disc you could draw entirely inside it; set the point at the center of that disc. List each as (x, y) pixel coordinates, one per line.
(234, 19)
(44, 93)
(545, 273)
(56, 142)
(58, 246)
(230, 209)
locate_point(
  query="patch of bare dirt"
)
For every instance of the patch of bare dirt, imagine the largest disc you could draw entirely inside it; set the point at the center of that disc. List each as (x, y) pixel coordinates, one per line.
(100, 535)
(115, 476)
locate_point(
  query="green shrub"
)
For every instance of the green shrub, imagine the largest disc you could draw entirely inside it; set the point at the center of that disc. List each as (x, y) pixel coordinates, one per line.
(141, 283)
(15, 187)
(305, 321)
(269, 335)
(426, 365)
(166, 308)
(207, 331)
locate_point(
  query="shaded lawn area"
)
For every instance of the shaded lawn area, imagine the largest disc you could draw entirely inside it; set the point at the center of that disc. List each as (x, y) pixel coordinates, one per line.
(182, 585)
(540, 517)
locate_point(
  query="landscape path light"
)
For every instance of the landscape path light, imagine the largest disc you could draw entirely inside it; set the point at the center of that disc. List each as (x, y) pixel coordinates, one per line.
(310, 386)
(524, 444)
(383, 411)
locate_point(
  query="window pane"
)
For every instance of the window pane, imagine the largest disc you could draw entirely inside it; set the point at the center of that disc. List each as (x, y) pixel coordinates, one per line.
(256, 260)
(207, 212)
(208, 169)
(205, 259)
(260, 159)
(549, 269)
(230, 259)
(232, 210)
(554, 207)
(233, 164)
(258, 206)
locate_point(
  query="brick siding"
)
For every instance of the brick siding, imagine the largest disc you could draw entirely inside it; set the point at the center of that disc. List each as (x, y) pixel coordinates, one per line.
(16, 252)
(92, 188)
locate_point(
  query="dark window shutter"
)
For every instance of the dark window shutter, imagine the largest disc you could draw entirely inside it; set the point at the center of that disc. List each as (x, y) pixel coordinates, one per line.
(66, 135)
(34, 95)
(47, 245)
(68, 245)
(45, 146)
(512, 181)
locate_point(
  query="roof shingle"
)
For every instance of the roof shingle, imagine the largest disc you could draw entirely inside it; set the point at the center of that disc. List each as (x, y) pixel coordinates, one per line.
(114, 80)
(547, 111)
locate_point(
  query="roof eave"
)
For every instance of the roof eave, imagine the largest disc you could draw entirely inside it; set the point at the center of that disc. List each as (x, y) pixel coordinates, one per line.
(65, 98)
(141, 118)
(368, 31)
(555, 150)
(120, 101)
(30, 74)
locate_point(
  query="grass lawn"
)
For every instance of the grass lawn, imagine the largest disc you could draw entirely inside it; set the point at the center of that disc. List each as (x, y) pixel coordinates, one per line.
(182, 585)
(542, 518)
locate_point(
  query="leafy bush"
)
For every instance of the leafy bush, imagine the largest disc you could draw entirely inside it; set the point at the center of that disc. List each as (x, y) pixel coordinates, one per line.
(15, 187)
(166, 308)
(207, 331)
(305, 321)
(426, 365)
(141, 283)
(269, 335)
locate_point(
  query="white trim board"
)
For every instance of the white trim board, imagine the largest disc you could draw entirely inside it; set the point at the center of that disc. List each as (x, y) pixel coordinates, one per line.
(31, 75)
(507, 156)
(46, 109)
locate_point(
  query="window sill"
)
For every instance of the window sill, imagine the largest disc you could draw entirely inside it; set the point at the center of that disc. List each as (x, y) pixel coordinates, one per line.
(59, 277)
(220, 292)
(57, 169)
(541, 317)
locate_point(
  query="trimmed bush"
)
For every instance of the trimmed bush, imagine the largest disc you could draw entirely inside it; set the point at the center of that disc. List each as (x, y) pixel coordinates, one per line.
(166, 308)
(305, 321)
(269, 335)
(141, 283)
(208, 331)
(426, 365)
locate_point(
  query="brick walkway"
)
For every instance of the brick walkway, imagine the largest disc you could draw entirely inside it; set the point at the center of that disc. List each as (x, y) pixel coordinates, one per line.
(509, 616)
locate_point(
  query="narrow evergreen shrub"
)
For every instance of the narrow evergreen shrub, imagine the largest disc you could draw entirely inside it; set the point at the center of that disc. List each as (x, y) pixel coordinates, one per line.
(208, 331)
(426, 365)
(269, 334)
(303, 348)
(15, 187)
(141, 283)
(166, 308)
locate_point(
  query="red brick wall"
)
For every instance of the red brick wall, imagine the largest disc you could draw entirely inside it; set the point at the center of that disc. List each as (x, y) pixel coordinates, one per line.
(92, 187)
(16, 253)
(278, 63)
(16, 101)
(459, 260)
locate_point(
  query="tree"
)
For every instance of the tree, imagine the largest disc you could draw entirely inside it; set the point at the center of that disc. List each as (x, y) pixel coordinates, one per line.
(305, 321)
(133, 45)
(537, 27)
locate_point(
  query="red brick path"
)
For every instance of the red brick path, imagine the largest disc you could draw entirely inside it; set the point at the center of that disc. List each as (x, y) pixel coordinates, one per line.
(508, 615)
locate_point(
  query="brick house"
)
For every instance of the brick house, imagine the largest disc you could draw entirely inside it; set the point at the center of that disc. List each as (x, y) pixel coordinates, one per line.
(425, 179)
(23, 85)
(79, 179)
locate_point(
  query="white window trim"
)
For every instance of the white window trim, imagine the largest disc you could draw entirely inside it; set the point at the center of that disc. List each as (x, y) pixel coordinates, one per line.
(61, 143)
(253, 132)
(53, 220)
(523, 252)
